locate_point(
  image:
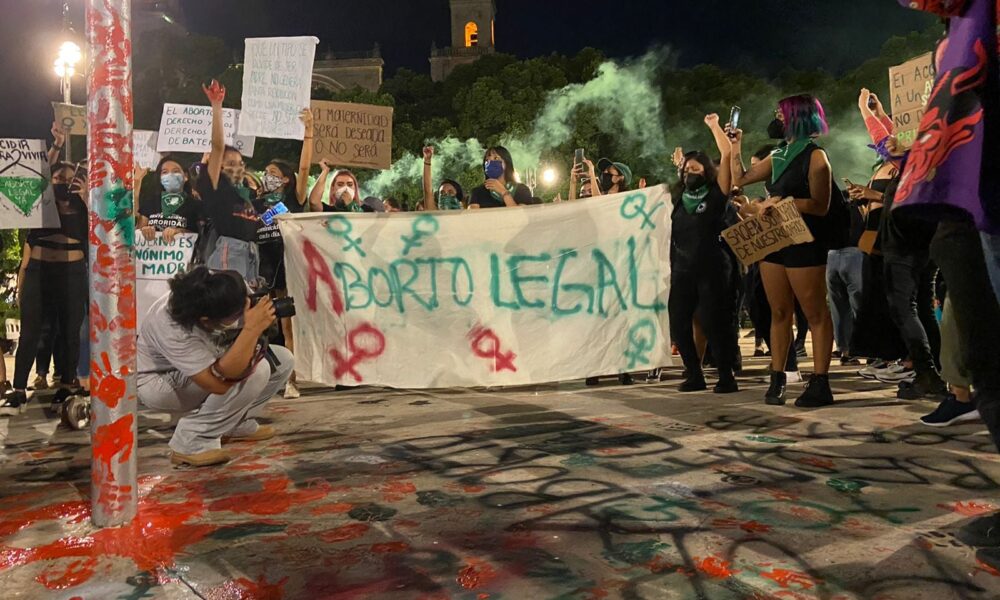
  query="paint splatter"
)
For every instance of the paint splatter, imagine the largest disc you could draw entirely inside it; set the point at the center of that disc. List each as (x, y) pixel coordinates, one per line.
(819, 463)
(847, 486)
(245, 589)
(766, 439)
(969, 509)
(475, 574)
(394, 491)
(344, 533)
(785, 578)
(337, 508)
(276, 496)
(579, 460)
(635, 553)
(747, 526)
(372, 512)
(390, 547)
(437, 499)
(714, 567)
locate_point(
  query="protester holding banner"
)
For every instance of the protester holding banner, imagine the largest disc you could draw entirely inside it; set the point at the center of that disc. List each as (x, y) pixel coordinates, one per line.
(282, 189)
(501, 187)
(166, 204)
(702, 267)
(799, 170)
(54, 288)
(449, 195)
(227, 200)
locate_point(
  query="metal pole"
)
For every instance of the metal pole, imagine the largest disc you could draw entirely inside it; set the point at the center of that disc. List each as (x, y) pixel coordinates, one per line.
(67, 90)
(113, 489)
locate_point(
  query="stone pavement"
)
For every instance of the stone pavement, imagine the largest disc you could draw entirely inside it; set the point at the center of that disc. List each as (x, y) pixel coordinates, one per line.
(555, 491)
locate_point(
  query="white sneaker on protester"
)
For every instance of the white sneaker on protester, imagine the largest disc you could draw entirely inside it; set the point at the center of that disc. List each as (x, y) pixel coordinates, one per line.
(896, 374)
(792, 377)
(291, 391)
(869, 371)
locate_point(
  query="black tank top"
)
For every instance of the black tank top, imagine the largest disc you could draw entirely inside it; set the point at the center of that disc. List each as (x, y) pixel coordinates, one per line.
(695, 240)
(74, 224)
(794, 183)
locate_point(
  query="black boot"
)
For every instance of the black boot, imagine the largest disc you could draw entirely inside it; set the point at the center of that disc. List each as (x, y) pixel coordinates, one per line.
(590, 381)
(695, 382)
(775, 395)
(726, 385)
(817, 394)
(983, 532)
(625, 379)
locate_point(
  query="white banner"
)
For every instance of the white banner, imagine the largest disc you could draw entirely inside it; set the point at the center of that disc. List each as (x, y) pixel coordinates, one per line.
(490, 297)
(188, 128)
(277, 85)
(144, 152)
(25, 203)
(156, 262)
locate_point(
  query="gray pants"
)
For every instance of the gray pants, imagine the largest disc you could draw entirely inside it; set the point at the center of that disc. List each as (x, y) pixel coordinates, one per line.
(207, 416)
(844, 282)
(953, 369)
(231, 254)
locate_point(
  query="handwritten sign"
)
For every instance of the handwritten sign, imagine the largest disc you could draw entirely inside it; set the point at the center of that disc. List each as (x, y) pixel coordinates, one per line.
(910, 85)
(493, 297)
(26, 201)
(277, 84)
(156, 262)
(352, 135)
(144, 152)
(71, 117)
(755, 238)
(188, 128)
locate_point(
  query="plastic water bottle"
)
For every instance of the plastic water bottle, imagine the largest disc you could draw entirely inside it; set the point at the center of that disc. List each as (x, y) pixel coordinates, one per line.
(277, 209)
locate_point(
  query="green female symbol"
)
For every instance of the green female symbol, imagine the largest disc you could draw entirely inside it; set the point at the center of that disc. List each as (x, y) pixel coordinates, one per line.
(423, 226)
(641, 339)
(341, 227)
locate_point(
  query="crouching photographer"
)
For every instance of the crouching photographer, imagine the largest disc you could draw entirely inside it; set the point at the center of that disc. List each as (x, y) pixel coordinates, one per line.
(203, 351)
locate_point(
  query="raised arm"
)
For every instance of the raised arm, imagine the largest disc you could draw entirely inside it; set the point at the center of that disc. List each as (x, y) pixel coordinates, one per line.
(429, 202)
(59, 140)
(216, 94)
(740, 176)
(316, 195)
(725, 146)
(305, 159)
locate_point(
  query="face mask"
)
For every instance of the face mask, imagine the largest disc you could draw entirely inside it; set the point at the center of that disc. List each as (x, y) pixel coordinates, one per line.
(776, 130)
(449, 202)
(61, 191)
(344, 189)
(493, 169)
(172, 183)
(694, 182)
(607, 181)
(272, 182)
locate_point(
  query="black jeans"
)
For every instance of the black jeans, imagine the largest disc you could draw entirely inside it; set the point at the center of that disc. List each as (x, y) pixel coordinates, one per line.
(958, 251)
(56, 292)
(710, 295)
(909, 287)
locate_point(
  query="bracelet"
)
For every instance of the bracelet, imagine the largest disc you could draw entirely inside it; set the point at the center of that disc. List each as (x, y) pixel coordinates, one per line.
(427, 163)
(57, 147)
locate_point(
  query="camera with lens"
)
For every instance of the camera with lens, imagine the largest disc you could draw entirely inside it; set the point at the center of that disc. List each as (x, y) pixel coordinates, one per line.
(283, 307)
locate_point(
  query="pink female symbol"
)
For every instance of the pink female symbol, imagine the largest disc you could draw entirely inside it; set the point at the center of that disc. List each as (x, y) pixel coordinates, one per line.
(365, 342)
(486, 344)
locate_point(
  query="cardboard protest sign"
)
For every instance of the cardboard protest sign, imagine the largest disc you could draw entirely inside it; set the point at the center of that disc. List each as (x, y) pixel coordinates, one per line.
(755, 238)
(910, 85)
(277, 84)
(494, 297)
(188, 128)
(156, 262)
(352, 135)
(71, 117)
(144, 152)
(23, 182)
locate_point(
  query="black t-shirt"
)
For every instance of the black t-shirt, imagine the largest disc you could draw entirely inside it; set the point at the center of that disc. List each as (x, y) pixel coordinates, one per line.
(484, 198)
(229, 208)
(903, 234)
(179, 211)
(857, 225)
(695, 240)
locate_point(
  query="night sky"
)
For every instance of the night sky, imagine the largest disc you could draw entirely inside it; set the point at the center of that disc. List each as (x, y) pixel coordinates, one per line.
(763, 36)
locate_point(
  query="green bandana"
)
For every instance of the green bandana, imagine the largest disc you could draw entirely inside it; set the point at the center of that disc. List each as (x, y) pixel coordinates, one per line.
(243, 191)
(273, 198)
(446, 202)
(170, 203)
(693, 199)
(510, 190)
(355, 207)
(782, 157)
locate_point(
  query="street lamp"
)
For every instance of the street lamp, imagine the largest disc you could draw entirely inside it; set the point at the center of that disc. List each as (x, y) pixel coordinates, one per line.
(65, 67)
(549, 176)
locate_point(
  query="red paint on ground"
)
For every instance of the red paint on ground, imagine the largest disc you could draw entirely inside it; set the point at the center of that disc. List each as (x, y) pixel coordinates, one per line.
(16, 519)
(714, 567)
(394, 491)
(244, 589)
(969, 509)
(747, 526)
(476, 574)
(784, 578)
(75, 573)
(819, 463)
(338, 508)
(988, 569)
(344, 533)
(390, 547)
(273, 498)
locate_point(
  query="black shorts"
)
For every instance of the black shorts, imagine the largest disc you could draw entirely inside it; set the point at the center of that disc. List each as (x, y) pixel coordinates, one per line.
(799, 256)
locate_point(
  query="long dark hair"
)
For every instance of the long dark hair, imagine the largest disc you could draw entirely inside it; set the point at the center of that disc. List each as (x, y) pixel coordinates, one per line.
(291, 188)
(205, 294)
(508, 162)
(152, 189)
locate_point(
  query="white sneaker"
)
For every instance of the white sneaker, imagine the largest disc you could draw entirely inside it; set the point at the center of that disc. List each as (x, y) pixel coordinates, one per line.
(899, 375)
(869, 371)
(793, 377)
(291, 391)
(654, 375)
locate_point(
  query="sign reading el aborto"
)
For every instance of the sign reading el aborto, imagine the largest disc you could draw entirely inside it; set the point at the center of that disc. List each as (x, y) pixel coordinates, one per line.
(755, 238)
(352, 135)
(156, 262)
(507, 296)
(188, 128)
(910, 85)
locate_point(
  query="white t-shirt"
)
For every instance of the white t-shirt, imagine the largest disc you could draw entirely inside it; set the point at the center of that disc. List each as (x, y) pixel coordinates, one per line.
(165, 346)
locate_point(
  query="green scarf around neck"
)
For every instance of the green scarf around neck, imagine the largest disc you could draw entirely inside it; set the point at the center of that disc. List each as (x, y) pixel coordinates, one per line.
(692, 200)
(783, 157)
(170, 204)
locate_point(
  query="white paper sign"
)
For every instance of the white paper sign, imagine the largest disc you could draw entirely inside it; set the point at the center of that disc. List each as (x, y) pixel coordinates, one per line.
(188, 128)
(26, 201)
(156, 263)
(490, 297)
(277, 84)
(144, 152)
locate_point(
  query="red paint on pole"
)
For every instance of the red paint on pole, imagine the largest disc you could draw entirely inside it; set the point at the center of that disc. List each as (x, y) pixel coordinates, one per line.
(318, 270)
(112, 265)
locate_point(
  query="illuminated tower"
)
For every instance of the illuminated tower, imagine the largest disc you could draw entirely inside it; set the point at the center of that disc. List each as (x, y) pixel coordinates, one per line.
(471, 36)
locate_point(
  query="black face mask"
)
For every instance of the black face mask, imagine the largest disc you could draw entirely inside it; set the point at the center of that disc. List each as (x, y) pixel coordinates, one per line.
(694, 181)
(776, 129)
(61, 191)
(607, 181)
